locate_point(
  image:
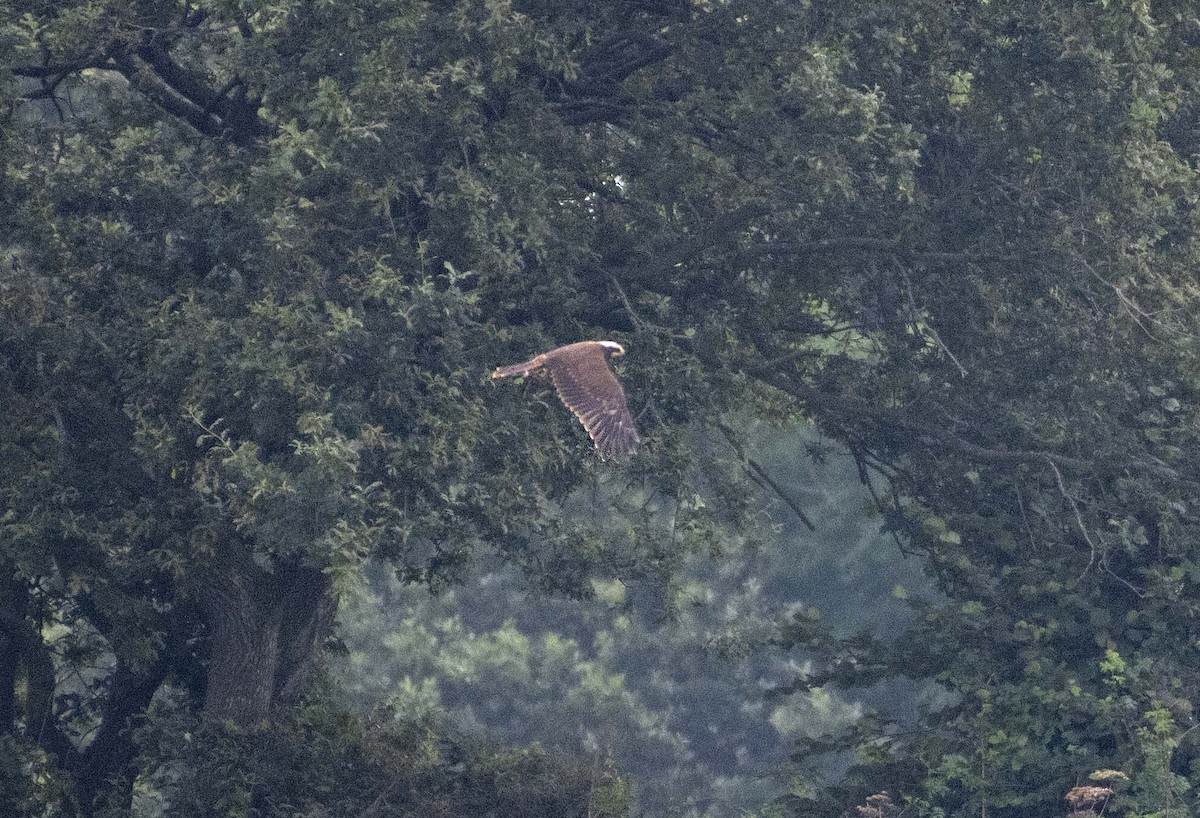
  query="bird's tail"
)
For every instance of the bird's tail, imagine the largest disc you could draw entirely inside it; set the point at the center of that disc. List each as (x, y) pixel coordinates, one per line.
(514, 370)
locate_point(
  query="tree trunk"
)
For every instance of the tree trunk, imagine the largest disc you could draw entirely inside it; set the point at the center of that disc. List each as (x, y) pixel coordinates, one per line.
(104, 773)
(264, 628)
(10, 656)
(8, 683)
(310, 607)
(243, 646)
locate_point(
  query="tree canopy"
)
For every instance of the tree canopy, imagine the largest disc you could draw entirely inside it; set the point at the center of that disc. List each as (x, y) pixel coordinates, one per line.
(260, 257)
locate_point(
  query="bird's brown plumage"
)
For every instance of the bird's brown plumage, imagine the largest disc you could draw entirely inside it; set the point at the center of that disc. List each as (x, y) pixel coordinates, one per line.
(587, 387)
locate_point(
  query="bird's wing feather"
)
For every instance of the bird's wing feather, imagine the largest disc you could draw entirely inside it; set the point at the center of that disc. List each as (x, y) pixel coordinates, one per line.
(524, 368)
(590, 390)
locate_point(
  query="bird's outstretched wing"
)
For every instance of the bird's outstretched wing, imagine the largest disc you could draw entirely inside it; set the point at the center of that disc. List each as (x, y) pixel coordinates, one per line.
(589, 389)
(529, 367)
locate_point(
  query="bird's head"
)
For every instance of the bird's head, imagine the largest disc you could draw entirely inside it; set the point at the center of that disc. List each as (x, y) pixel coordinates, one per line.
(612, 348)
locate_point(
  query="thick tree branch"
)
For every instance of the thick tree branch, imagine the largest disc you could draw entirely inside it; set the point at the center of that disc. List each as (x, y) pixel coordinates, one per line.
(177, 91)
(888, 246)
(607, 64)
(662, 261)
(152, 72)
(143, 80)
(41, 725)
(62, 69)
(111, 753)
(596, 94)
(585, 110)
(173, 74)
(832, 406)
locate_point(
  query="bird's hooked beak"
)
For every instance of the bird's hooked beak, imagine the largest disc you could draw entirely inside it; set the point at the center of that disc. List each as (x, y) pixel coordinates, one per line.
(612, 347)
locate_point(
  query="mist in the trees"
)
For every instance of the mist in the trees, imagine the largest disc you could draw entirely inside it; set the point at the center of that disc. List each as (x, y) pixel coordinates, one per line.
(678, 686)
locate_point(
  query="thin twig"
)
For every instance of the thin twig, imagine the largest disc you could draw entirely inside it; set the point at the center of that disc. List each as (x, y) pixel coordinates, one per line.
(1025, 518)
(912, 304)
(1062, 487)
(636, 318)
(1131, 308)
(760, 476)
(1138, 592)
(861, 461)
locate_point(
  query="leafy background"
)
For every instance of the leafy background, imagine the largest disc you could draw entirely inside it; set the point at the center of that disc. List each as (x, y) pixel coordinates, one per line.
(920, 272)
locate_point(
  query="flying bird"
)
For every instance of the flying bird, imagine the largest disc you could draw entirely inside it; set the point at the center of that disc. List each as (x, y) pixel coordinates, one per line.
(588, 387)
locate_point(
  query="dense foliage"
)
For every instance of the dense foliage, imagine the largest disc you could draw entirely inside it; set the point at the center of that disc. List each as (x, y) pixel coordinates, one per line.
(261, 256)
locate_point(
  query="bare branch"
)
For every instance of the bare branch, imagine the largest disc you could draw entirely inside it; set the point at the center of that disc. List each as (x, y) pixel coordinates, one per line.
(759, 475)
(1062, 489)
(941, 437)
(148, 83)
(862, 462)
(62, 69)
(640, 322)
(889, 246)
(928, 327)
(702, 237)
(1135, 312)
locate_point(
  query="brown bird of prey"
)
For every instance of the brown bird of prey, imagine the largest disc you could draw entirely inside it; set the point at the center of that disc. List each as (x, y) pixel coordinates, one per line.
(588, 387)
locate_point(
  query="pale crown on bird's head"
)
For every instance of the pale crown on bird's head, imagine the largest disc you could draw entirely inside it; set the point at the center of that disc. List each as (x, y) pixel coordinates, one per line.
(612, 348)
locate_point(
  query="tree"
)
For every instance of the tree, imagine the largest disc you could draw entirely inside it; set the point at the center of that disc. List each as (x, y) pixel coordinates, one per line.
(264, 254)
(261, 257)
(1024, 414)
